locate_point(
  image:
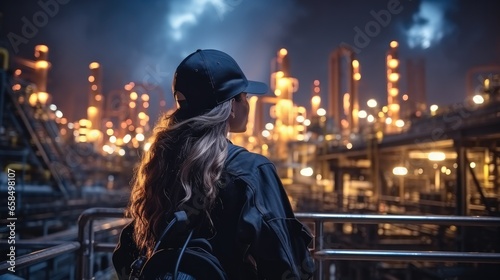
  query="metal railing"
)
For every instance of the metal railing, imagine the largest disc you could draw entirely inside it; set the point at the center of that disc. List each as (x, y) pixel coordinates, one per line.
(45, 254)
(86, 246)
(46, 250)
(321, 253)
(85, 258)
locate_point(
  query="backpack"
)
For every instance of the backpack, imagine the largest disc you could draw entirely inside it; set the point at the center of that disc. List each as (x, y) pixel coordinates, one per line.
(191, 261)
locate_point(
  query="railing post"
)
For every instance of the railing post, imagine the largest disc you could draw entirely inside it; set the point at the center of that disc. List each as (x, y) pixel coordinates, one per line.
(461, 192)
(84, 245)
(90, 250)
(84, 267)
(318, 245)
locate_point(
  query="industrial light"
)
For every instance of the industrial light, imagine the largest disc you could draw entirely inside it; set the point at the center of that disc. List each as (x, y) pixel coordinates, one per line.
(307, 171)
(436, 156)
(478, 99)
(400, 171)
(372, 103)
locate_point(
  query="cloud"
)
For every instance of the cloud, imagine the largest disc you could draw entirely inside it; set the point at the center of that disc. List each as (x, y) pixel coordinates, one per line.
(430, 24)
(186, 13)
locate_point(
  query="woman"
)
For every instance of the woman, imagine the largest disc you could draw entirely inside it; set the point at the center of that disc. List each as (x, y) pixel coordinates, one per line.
(234, 199)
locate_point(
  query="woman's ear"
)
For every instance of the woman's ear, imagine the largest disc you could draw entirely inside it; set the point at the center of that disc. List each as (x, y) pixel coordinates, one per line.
(179, 97)
(232, 108)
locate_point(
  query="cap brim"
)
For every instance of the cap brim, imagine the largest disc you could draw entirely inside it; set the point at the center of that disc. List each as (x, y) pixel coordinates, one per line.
(256, 88)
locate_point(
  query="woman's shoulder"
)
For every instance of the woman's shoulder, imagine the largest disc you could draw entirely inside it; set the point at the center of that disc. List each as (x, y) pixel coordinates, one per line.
(242, 162)
(239, 155)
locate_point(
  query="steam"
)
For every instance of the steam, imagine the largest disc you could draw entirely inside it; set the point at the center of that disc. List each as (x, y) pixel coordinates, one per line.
(429, 24)
(186, 13)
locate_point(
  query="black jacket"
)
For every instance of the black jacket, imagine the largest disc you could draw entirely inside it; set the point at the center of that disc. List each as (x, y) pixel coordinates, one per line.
(257, 235)
(256, 219)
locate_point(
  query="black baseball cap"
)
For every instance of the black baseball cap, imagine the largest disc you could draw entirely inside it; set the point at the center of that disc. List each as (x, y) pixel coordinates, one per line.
(210, 77)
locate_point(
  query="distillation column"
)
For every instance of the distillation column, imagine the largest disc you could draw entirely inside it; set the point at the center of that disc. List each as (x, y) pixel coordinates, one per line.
(95, 106)
(415, 99)
(283, 86)
(343, 94)
(392, 65)
(41, 70)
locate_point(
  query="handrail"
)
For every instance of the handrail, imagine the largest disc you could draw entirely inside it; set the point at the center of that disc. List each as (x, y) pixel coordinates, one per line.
(30, 244)
(40, 256)
(57, 248)
(338, 254)
(86, 246)
(414, 219)
(406, 255)
(368, 254)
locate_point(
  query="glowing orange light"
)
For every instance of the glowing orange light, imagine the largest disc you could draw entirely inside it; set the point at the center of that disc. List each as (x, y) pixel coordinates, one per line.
(316, 100)
(43, 97)
(394, 77)
(355, 63)
(84, 123)
(42, 64)
(393, 63)
(42, 48)
(94, 65)
(92, 111)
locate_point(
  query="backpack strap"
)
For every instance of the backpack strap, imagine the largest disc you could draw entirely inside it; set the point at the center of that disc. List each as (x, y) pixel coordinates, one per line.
(177, 264)
(180, 219)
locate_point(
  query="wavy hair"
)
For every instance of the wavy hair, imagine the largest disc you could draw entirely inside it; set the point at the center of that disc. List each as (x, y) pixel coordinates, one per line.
(181, 170)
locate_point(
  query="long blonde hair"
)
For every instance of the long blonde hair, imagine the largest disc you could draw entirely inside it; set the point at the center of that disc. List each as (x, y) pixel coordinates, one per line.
(181, 170)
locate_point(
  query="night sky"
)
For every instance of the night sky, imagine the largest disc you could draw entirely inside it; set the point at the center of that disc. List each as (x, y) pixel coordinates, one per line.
(145, 40)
